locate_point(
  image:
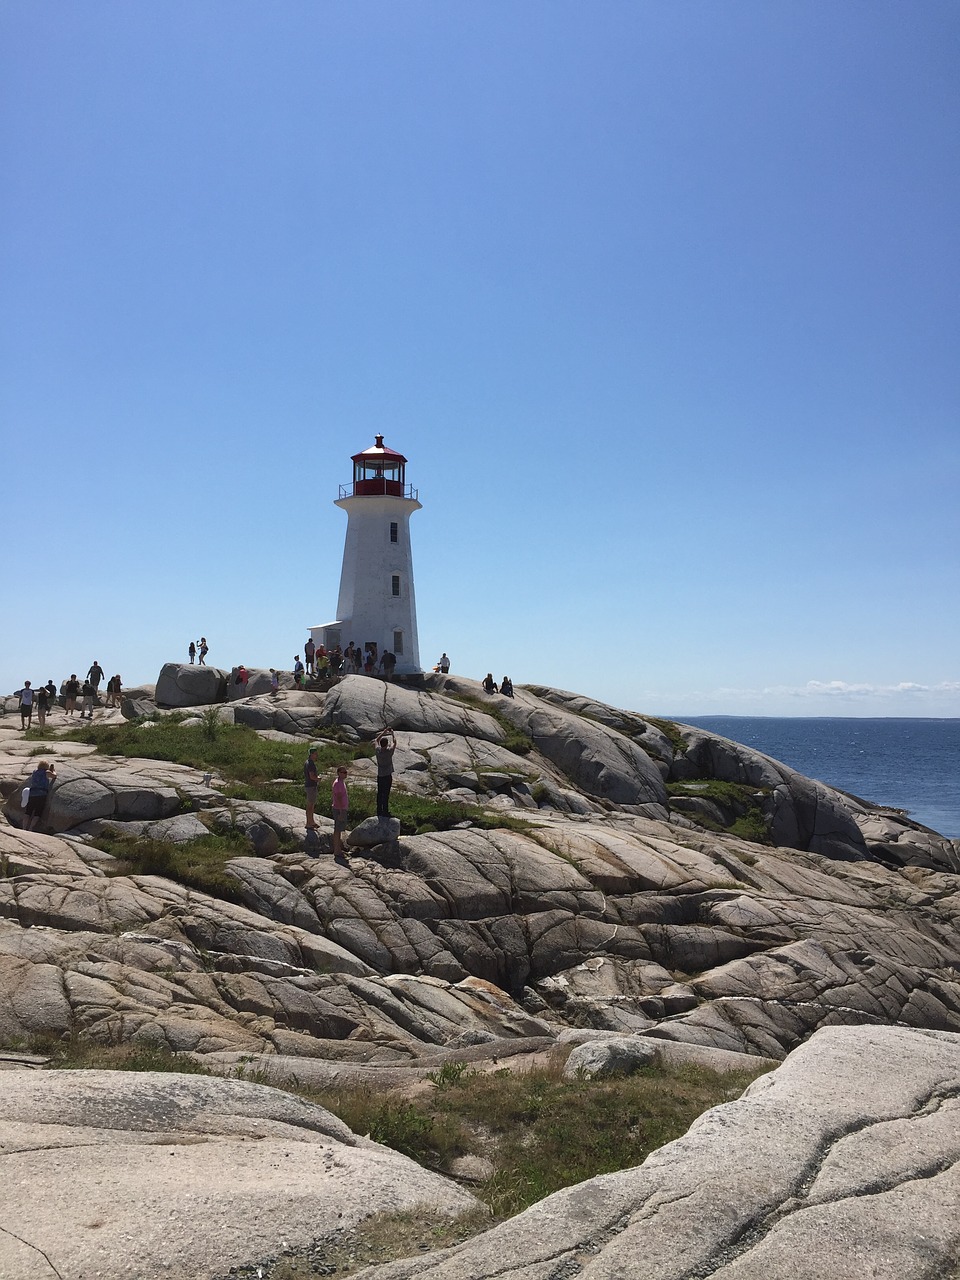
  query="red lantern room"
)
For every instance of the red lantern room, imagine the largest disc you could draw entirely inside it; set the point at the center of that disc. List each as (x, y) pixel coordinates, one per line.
(379, 471)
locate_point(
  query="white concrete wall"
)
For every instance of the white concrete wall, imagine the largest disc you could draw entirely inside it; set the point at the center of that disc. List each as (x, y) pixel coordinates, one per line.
(366, 606)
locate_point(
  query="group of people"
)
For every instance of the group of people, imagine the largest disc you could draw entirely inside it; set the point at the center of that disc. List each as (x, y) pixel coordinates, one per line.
(329, 664)
(385, 745)
(200, 650)
(87, 691)
(505, 688)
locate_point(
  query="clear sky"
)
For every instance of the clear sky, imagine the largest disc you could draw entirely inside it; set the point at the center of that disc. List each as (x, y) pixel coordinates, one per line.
(660, 300)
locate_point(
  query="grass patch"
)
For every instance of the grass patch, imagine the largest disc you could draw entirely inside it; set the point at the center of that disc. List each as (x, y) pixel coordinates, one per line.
(197, 864)
(515, 740)
(741, 804)
(235, 751)
(71, 1053)
(540, 1132)
(669, 730)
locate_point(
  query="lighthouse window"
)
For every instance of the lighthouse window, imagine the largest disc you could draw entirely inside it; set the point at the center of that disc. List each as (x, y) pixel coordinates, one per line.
(395, 584)
(394, 531)
(398, 642)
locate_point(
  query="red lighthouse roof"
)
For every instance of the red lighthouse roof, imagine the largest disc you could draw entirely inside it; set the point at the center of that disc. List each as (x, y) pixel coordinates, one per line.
(378, 453)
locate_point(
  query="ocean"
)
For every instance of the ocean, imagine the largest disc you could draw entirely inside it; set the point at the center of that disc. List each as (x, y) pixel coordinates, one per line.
(907, 764)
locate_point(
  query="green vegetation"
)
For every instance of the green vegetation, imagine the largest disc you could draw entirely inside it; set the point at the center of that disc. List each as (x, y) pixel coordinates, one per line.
(741, 805)
(539, 1131)
(515, 739)
(237, 752)
(671, 731)
(197, 864)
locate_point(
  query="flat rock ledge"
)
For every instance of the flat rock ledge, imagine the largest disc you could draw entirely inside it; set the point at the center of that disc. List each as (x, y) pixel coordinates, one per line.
(114, 1174)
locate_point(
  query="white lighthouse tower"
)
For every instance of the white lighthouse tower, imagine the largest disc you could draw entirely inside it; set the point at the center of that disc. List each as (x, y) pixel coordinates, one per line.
(377, 607)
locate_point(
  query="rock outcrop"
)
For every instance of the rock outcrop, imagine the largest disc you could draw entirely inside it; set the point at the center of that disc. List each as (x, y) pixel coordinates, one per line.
(594, 892)
(845, 1163)
(118, 1174)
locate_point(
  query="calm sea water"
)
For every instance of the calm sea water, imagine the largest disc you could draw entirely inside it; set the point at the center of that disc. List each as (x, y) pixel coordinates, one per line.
(908, 764)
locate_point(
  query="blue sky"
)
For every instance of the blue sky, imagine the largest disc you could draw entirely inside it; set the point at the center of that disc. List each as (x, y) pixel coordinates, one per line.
(660, 300)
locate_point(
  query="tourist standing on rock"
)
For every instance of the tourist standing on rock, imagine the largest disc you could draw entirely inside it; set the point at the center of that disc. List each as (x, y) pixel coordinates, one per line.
(26, 696)
(341, 804)
(95, 675)
(297, 671)
(489, 684)
(204, 650)
(388, 664)
(274, 682)
(87, 695)
(192, 652)
(336, 662)
(506, 687)
(386, 745)
(309, 653)
(243, 675)
(43, 706)
(311, 780)
(52, 691)
(444, 664)
(70, 690)
(40, 782)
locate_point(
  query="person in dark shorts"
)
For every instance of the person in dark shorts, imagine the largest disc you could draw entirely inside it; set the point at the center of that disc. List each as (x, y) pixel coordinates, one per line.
(311, 780)
(70, 690)
(41, 780)
(26, 705)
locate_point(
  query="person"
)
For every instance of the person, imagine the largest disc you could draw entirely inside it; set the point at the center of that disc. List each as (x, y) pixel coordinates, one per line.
(52, 691)
(348, 660)
(323, 663)
(489, 684)
(70, 690)
(506, 687)
(311, 780)
(370, 659)
(26, 696)
(95, 675)
(40, 782)
(309, 653)
(336, 662)
(274, 682)
(192, 652)
(444, 665)
(111, 692)
(204, 650)
(385, 747)
(243, 675)
(43, 705)
(341, 804)
(87, 693)
(388, 664)
(297, 671)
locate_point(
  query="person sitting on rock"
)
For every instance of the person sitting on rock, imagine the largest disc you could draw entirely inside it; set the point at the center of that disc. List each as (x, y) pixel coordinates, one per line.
(489, 684)
(506, 687)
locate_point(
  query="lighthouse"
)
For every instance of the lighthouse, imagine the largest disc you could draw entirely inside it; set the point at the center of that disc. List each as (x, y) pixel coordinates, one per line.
(377, 607)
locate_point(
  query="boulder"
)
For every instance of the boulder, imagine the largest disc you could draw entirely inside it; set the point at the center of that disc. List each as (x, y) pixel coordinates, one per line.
(185, 686)
(595, 1059)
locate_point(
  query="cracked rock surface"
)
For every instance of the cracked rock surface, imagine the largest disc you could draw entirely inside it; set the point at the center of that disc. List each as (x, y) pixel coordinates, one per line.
(842, 1163)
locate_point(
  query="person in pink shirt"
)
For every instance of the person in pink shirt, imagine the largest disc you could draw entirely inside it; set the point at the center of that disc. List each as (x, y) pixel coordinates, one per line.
(341, 803)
